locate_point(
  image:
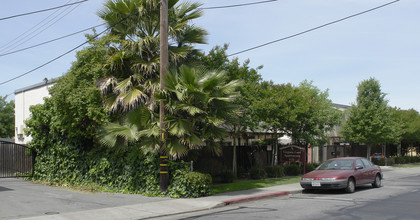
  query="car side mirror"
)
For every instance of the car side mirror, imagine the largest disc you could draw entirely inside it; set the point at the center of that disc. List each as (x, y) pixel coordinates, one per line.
(359, 167)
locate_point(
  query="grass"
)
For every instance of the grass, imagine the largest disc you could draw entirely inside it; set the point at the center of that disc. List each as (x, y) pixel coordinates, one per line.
(238, 185)
(408, 165)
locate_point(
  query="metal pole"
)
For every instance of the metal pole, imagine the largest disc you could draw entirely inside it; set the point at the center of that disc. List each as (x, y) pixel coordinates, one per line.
(164, 60)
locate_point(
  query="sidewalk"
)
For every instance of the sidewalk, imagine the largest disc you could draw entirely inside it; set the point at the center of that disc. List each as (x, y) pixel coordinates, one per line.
(176, 206)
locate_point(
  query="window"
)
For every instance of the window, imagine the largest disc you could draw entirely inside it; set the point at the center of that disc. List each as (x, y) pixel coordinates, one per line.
(366, 163)
(359, 163)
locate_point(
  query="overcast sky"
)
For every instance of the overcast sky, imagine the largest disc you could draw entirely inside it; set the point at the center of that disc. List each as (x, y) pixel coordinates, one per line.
(383, 43)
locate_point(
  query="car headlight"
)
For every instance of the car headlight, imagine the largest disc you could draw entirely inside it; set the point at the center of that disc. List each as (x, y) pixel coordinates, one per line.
(329, 179)
(307, 179)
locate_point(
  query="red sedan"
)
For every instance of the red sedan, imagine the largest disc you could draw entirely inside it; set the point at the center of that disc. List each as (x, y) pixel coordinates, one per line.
(343, 173)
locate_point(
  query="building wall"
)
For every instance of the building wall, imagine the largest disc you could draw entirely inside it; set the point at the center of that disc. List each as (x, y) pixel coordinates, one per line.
(24, 98)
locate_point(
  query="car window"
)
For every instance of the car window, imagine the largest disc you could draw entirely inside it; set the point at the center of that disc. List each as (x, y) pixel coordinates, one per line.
(359, 163)
(366, 163)
(336, 165)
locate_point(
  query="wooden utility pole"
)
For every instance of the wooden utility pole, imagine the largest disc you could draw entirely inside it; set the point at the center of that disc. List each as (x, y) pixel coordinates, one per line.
(164, 61)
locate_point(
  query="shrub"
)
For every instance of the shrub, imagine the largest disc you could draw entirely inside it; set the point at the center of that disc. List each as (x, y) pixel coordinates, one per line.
(257, 172)
(310, 167)
(292, 170)
(186, 184)
(378, 161)
(274, 171)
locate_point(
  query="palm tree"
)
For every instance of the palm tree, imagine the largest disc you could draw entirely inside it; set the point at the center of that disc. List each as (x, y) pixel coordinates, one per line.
(133, 54)
(198, 102)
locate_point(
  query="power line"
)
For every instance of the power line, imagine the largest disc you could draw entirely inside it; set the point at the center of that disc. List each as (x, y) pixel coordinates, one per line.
(59, 38)
(40, 31)
(238, 5)
(32, 30)
(312, 29)
(44, 10)
(39, 67)
(50, 41)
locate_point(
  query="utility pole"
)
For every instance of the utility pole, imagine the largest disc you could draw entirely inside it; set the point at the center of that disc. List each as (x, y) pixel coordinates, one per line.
(164, 60)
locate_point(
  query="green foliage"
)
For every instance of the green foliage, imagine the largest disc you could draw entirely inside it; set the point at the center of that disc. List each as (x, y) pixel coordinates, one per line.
(370, 121)
(185, 184)
(274, 171)
(410, 124)
(310, 167)
(257, 172)
(7, 118)
(304, 112)
(292, 170)
(406, 159)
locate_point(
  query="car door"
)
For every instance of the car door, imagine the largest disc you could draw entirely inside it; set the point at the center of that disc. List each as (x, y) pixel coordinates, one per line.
(370, 171)
(360, 173)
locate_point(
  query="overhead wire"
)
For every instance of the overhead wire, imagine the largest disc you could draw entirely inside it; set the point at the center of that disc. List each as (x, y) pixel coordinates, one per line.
(50, 41)
(39, 32)
(59, 38)
(32, 29)
(238, 5)
(313, 29)
(75, 48)
(43, 10)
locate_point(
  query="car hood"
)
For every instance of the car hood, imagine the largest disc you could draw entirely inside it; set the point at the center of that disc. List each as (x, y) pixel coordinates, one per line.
(328, 174)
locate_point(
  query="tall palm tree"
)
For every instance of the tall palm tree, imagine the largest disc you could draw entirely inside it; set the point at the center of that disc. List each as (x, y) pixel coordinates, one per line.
(198, 102)
(133, 55)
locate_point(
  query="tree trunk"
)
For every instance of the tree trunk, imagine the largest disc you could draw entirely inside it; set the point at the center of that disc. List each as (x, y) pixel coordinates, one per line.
(275, 150)
(369, 147)
(234, 163)
(399, 149)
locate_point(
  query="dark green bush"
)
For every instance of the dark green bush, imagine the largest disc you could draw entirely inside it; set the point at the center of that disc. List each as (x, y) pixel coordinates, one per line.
(310, 167)
(186, 184)
(274, 171)
(292, 170)
(378, 161)
(257, 172)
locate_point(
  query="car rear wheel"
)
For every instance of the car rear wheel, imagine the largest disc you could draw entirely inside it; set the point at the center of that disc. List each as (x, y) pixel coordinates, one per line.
(377, 183)
(351, 186)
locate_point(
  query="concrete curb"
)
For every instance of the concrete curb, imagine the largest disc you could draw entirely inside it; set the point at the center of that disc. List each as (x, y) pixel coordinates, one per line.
(249, 198)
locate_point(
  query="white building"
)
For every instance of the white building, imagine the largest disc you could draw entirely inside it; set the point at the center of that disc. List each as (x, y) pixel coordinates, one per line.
(24, 98)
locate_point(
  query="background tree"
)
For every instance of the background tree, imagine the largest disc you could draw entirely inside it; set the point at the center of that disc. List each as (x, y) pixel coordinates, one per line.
(370, 121)
(314, 116)
(7, 118)
(304, 113)
(410, 125)
(238, 125)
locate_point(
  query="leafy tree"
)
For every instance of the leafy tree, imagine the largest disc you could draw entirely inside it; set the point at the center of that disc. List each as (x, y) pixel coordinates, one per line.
(370, 121)
(410, 125)
(304, 113)
(197, 104)
(7, 118)
(239, 124)
(315, 115)
(74, 111)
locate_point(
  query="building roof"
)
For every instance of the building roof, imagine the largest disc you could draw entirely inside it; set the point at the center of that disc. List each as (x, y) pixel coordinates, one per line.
(46, 82)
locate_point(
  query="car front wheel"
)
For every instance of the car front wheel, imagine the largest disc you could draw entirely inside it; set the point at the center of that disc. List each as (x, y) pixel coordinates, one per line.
(377, 182)
(351, 186)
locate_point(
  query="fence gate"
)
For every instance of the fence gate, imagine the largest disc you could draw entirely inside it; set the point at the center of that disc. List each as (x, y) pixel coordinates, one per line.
(15, 160)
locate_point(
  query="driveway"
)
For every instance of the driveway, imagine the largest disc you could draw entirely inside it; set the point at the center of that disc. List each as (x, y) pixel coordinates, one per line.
(19, 198)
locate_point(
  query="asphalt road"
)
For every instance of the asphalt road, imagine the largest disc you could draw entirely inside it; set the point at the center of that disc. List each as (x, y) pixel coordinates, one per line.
(399, 198)
(19, 199)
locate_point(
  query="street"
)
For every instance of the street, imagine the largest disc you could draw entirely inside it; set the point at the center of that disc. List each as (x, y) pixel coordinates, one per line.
(399, 198)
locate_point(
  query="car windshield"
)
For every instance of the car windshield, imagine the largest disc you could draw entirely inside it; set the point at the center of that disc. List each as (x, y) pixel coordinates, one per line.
(336, 165)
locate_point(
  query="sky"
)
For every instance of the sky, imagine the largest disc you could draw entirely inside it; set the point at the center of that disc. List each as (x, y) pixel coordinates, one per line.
(383, 44)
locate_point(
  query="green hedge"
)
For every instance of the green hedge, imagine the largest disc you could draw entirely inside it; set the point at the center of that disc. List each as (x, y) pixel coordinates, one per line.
(292, 170)
(186, 184)
(274, 171)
